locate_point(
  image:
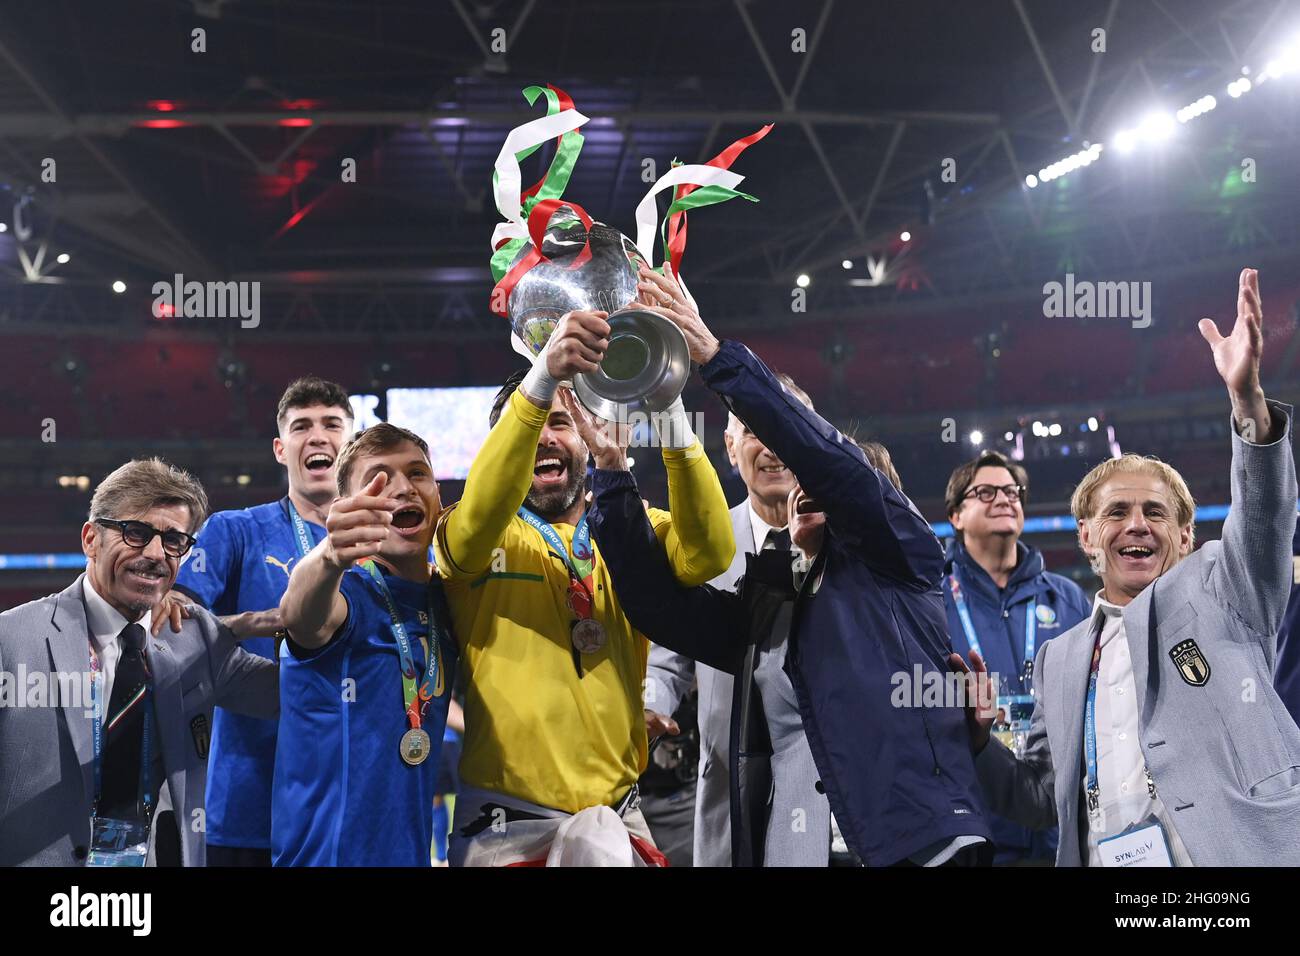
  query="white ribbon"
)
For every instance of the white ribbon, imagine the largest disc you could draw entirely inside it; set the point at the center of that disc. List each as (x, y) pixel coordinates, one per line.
(647, 212)
(508, 178)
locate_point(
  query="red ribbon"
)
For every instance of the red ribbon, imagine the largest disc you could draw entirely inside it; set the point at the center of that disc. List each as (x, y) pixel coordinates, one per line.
(538, 220)
(566, 103)
(677, 222)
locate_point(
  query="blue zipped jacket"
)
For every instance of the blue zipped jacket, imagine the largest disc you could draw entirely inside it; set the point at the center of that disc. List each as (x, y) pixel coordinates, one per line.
(998, 618)
(898, 774)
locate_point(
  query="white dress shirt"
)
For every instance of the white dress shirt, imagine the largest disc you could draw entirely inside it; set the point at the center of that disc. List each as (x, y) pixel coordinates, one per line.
(106, 624)
(759, 528)
(1121, 767)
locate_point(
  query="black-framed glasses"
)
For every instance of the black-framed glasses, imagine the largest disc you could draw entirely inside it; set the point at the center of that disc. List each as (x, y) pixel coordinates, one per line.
(989, 493)
(138, 534)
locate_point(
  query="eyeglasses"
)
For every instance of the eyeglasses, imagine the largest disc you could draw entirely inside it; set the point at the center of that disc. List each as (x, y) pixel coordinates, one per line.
(137, 535)
(989, 493)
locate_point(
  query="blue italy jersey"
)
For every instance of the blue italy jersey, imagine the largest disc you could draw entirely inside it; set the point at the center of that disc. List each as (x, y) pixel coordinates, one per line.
(241, 562)
(343, 796)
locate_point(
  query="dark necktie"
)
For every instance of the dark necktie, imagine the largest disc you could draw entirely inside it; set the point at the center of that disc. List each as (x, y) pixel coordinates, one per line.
(778, 540)
(123, 733)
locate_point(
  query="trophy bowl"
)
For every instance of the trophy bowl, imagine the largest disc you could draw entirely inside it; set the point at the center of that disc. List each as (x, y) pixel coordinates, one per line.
(647, 362)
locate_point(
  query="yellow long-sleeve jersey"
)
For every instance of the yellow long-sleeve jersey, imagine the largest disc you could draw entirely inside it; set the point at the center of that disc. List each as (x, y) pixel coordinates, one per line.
(535, 729)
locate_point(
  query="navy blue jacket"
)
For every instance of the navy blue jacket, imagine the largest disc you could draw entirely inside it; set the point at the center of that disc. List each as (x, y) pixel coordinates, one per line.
(898, 778)
(998, 616)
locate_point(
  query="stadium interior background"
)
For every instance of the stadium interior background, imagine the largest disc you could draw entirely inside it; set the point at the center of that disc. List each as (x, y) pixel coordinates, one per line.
(225, 165)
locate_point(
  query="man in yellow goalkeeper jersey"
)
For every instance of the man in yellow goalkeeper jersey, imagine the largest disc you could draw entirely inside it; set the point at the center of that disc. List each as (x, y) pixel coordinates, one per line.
(555, 734)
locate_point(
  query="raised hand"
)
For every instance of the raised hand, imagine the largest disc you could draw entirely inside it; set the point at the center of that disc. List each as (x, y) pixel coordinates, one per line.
(662, 295)
(606, 441)
(358, 525)
(1237, 357)
(173, 608)
(981, 696)
(577, 345)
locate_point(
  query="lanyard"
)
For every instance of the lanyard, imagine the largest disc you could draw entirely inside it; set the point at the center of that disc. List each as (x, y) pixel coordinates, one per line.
(299, 530)
(97, 738)
(581, 565)
(967, 625)
(416, 699)
(1090, 731)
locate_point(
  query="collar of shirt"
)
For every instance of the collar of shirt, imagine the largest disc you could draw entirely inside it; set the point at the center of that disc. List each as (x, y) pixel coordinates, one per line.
(760, 528)
(1113, 615)
(106, 622)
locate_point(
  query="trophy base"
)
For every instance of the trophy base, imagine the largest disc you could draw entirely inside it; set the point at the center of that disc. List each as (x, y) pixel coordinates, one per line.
(644, 369)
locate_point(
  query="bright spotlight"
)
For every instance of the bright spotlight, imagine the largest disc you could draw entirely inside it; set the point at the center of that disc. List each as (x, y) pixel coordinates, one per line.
(1009, 436)
(802, 280)
(1092, 423)
(1125, 140)
(1157, 126)
(119, 286)
(1054, 430)
(905, 236)
(847, 263)
(1031, 180)
(977, 437)
(63, 259)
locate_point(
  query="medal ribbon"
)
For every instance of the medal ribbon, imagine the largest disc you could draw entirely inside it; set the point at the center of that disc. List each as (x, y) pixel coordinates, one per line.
(299, 530)
(415, 698)
(581, 565)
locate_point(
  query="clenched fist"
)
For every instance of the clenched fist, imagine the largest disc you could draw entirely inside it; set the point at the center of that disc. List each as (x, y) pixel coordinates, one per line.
(577, 345)
(358, 525)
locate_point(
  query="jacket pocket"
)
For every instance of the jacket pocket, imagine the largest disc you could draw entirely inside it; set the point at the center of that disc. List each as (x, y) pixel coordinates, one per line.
(1284, 783)
(196, 697)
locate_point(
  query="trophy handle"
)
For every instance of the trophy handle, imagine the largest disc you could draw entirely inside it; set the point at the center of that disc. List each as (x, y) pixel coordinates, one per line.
(644, 370)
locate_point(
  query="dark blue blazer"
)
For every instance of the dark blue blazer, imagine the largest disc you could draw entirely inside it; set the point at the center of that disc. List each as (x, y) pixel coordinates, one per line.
(898, 778)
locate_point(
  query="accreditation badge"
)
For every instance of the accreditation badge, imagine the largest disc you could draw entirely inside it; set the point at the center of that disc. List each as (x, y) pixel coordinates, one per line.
(118, 842)
(1143, 844)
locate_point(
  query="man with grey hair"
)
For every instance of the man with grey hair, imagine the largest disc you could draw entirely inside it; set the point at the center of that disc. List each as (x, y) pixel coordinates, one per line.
(100, 714)
(759, 523)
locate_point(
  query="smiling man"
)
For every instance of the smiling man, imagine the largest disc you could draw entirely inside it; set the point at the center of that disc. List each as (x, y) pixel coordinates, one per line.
(1157, 732)
(239, 570)
(554, 723)
(367, 669)
(80, 778)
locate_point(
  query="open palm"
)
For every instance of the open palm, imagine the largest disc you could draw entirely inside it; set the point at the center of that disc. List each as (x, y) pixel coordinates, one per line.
(1237, 355)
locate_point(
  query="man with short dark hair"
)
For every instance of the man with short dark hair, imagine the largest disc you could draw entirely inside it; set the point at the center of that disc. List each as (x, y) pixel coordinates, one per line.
(1003, 604)
(239, 570)
(82, 768)
(367, 671)
(555, 734)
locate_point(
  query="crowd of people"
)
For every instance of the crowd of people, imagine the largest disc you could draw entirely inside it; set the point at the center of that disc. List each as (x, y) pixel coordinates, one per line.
(316, 681)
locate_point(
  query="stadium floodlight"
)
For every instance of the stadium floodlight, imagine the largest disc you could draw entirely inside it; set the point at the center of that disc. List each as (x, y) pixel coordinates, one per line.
(802, 280)
(1009, 436)
(1055, 429)
(1238, 86)
(1092, 423)
(1031, 180)
(905, 236)
(847, 263)
(977, 437)
(1125, 140)
(119, 286)
(1156, 127)
(4, 227)
(63, 258)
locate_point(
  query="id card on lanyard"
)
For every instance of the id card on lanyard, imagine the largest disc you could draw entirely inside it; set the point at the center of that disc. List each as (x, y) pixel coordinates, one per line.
(115, 841)
(1015, 711)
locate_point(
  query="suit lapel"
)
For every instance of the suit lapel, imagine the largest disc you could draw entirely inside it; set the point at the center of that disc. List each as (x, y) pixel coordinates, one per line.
(69, 644)
(1072, 692)
(167, 705)
(1140, 631)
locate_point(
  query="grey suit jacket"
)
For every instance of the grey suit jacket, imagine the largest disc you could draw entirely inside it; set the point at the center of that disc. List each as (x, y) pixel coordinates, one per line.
(1225, 756)
(46, 759)
(668, 678)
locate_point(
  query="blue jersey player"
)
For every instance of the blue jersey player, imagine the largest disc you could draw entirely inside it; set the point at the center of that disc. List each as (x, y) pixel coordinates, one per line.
(239, 570)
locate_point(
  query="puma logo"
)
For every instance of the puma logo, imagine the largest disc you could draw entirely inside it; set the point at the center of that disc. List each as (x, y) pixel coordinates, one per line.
(282, 565)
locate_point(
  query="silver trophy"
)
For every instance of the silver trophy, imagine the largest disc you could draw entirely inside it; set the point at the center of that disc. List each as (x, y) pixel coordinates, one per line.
(647, 362)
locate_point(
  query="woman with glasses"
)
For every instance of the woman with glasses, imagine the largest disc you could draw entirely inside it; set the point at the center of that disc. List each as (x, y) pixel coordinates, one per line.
(1003, 605)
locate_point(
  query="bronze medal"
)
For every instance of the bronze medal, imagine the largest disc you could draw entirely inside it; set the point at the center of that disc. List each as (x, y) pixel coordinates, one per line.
(415, 747)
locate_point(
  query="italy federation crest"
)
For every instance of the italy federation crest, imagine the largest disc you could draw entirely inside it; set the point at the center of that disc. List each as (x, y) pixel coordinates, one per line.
(1191, 663)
